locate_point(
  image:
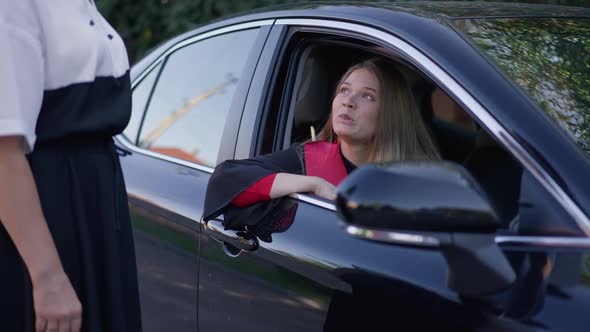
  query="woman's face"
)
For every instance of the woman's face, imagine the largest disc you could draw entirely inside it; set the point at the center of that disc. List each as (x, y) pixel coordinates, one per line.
(355, 109)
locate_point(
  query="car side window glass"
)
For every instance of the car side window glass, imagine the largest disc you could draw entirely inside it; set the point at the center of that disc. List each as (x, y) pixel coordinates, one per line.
(459, 139)
(190, 103)
(519, 200)
(451, 127)
(141, 95)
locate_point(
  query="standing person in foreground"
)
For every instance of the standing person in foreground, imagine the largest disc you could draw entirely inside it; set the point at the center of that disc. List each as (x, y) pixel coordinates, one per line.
(373, 120)
(66, 246)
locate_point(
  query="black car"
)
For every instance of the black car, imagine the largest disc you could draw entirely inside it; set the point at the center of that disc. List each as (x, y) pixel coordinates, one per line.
(493, 238)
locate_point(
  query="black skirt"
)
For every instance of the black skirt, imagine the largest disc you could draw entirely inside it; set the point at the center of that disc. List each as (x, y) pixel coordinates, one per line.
(84, 201)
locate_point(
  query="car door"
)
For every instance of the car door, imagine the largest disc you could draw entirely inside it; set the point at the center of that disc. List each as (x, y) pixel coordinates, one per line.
(186, 108)
(242, 283)
(307, 273)
(296, 277)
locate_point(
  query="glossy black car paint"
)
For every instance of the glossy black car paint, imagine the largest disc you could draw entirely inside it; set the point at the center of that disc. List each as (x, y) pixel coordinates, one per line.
(454, 200)
(310, 274)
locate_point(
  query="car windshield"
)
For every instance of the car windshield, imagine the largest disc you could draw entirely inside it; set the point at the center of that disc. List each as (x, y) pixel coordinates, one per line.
(547, 57)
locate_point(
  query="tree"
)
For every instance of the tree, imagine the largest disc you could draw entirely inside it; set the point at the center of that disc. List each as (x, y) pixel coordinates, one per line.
(144, 24)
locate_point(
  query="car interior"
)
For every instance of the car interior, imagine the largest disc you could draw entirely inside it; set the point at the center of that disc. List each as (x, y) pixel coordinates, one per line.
(457, 136)
(322, 65)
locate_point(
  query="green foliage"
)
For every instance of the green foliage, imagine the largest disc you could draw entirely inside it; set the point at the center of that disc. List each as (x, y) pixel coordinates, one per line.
(146, 23)
(550, 59)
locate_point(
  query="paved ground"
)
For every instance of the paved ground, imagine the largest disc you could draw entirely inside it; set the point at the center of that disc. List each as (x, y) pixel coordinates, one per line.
(168, 289)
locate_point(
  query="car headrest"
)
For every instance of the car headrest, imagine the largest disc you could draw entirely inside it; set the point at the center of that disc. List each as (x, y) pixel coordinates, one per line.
(314, 94)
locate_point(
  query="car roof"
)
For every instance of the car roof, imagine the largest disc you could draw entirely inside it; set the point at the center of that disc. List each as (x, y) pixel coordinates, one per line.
(420, 17)
(438, 10)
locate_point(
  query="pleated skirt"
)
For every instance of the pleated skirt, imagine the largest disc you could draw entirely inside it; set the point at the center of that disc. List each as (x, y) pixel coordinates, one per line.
(84, 201)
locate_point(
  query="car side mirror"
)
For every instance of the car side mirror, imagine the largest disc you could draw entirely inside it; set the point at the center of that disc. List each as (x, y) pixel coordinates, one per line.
(436, 205)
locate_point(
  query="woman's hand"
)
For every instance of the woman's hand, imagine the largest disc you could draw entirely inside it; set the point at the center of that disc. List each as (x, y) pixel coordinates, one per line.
(324, 189)
(57, 307)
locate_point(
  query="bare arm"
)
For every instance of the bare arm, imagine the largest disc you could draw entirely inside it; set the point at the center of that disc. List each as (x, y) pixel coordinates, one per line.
(285, 184)
(20, 213)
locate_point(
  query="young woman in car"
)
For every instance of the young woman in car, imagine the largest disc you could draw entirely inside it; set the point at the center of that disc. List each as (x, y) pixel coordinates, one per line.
(373, 120)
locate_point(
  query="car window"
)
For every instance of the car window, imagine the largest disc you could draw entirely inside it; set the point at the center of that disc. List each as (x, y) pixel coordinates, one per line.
(460, 138)
(141, 94)
(549, 58)
(189, 105)
(453, 131)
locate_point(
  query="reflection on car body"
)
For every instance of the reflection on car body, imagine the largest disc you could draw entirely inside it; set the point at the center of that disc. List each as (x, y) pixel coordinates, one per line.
(502, 89)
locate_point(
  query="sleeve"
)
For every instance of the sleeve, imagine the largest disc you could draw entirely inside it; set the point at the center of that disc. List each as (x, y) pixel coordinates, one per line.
(233, 177)
(259, 191)
(21, 71)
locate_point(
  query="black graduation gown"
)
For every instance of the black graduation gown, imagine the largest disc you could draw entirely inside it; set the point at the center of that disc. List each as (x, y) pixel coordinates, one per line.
(232, 177)
(76, 169)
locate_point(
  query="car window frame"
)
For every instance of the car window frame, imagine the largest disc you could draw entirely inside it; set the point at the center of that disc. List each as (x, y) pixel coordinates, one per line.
(264, 78)
(159, 67)
(230, 129)
(445, 81)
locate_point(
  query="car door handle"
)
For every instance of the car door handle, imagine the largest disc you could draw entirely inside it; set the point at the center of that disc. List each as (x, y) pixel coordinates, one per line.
(242, 240)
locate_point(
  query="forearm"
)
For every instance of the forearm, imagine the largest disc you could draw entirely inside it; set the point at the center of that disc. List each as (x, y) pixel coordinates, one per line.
(285, 184)
(21, 214)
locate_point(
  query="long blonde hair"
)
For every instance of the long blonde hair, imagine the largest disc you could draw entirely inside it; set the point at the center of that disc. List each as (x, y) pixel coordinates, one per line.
(401, 134)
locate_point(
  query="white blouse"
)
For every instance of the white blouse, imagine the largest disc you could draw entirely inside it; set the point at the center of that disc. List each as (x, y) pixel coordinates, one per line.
(48, 45)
